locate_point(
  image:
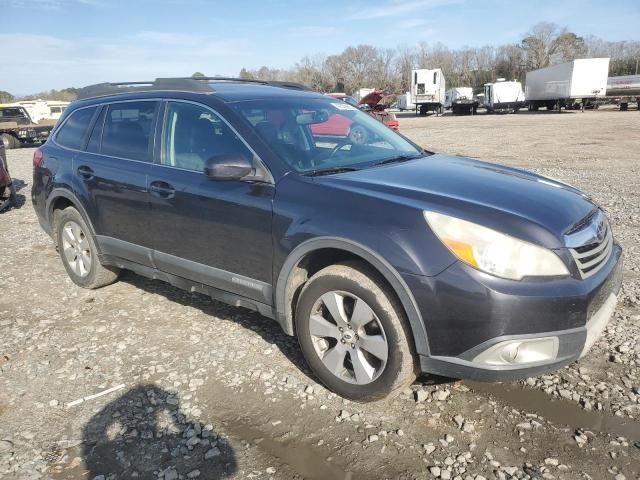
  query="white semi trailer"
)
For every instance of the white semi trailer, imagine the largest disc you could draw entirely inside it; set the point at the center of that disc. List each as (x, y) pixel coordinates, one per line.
(575, 84)
(460, 100)
(626, 89)
(503, 96)
(427, 90)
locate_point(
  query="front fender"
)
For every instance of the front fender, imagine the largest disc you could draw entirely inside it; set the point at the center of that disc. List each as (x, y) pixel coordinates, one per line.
(391, 275)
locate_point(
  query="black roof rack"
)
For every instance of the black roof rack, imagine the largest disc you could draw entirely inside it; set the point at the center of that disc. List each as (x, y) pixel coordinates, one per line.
(184, 84)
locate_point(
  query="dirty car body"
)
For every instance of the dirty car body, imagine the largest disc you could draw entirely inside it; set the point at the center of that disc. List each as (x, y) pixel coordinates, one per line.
(491, 272)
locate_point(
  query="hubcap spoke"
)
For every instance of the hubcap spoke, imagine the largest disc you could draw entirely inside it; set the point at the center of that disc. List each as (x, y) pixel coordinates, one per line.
(75, 266)
(69, 255)
(321, 327)
(335, 304)
(84, 244)
(67, 233)
(86, 260)
(362, 370)
(334, 359)
(77, 232)
(81, 266)
(376, 345)
(362, 314)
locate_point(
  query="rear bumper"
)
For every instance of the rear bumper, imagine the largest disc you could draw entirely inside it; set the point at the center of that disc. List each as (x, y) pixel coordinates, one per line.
(489, 329)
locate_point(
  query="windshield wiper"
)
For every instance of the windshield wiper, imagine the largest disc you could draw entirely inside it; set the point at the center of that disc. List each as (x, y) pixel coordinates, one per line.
(399, 158)
(330, 171)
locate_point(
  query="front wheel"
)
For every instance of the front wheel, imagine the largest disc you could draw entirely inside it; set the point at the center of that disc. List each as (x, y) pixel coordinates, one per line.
(79, 253)
(353, 333)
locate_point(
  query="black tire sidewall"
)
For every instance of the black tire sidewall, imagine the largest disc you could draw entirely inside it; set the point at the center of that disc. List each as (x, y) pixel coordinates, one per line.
(385, 383)
(71, 214)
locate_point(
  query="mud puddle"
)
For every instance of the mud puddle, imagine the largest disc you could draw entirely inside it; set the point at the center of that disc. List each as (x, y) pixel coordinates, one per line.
(559, 411)
(300, 457)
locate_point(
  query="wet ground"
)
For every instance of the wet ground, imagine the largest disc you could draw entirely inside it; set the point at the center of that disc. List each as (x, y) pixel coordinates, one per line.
(205, 390)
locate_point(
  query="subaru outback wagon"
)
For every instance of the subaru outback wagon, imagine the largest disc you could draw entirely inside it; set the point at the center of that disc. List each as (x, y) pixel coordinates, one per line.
(385, 260)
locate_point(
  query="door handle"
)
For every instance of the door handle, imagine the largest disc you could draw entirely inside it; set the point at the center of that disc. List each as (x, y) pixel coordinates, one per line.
(162, 189)
(85, 172)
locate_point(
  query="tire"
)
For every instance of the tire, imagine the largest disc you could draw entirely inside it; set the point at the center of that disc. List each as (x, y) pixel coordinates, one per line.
(348, 367)
(358, 135)
(8, 140)
(79, 252)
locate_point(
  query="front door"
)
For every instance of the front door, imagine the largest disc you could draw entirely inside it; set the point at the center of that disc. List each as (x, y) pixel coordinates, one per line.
(216, 233)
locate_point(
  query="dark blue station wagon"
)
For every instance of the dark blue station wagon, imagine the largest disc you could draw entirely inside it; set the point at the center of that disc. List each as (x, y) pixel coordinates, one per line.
(385, 260)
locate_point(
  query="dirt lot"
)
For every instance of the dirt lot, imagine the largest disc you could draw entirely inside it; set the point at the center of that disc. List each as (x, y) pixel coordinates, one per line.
(203, 390)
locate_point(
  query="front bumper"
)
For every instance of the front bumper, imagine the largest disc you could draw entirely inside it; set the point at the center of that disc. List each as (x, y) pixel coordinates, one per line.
(475, 321)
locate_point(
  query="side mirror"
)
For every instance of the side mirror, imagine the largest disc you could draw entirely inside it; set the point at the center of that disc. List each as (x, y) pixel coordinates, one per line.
(228, 166)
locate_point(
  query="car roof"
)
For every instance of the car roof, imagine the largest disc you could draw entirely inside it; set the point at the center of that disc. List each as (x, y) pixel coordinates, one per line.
(233, 92)
(224, 89)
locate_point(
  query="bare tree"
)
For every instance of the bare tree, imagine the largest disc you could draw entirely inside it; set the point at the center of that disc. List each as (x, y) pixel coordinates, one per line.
(547, 43)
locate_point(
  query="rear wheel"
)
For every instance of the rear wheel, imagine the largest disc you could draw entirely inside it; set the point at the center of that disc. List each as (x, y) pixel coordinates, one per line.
(353, 333)
(79, 253)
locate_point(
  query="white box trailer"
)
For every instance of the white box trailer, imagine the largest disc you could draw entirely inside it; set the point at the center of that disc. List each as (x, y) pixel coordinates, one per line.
(361, 93)
(404, 102)
(625, 89)
(503, 96)
(427, 90)
(460, 100)
(572, 84)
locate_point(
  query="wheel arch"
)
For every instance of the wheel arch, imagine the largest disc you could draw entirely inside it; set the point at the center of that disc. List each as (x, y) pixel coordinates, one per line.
(61, 198)
(294, 274)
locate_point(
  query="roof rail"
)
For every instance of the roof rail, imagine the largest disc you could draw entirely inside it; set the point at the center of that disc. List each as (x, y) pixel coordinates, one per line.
(185, 84)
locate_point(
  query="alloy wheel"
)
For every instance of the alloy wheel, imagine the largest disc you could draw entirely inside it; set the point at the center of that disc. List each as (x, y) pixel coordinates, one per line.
(76, 249)
(348, 337)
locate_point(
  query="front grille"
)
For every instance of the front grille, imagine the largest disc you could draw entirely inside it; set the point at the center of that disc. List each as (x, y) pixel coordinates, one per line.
(596, 246)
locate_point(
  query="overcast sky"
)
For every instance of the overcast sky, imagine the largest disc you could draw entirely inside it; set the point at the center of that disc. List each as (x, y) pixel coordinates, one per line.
(61, 43)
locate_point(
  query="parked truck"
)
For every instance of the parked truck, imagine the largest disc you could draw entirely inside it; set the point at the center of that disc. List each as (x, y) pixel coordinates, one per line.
(460, 101)
(427, 90)
(625, 89)
(570, 85)
(17, 127)
(503, 96)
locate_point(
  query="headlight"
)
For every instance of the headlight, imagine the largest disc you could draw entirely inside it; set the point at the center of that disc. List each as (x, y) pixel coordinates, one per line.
(494, 252)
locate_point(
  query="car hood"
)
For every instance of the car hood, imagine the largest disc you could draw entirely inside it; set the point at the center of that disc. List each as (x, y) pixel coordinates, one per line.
(373, 98)
(518, 202)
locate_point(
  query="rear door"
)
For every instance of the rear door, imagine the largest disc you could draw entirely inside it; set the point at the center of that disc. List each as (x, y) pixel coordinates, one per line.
(112, 174)
(216, 233)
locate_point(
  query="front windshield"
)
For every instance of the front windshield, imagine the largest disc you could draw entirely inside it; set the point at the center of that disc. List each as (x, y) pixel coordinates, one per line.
(312, 134)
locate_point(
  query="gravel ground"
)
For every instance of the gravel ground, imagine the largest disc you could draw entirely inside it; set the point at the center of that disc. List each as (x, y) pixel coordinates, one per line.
(204, 390)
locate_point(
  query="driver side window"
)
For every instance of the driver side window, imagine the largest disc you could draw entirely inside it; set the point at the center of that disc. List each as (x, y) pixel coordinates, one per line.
(192, 134)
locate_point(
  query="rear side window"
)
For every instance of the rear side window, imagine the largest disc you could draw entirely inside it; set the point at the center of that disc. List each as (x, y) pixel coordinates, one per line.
(74, 129)
(127, 130)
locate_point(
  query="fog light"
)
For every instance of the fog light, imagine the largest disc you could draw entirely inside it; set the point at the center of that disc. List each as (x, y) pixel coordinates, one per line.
(520, 352)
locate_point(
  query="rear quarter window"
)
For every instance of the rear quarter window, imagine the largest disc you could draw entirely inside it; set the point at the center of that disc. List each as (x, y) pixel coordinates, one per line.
(72, 133)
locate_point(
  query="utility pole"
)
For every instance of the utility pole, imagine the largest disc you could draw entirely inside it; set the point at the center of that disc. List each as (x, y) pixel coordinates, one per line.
(637, 59)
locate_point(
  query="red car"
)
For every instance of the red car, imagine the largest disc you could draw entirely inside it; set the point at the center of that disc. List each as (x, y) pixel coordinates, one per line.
(340, 126)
